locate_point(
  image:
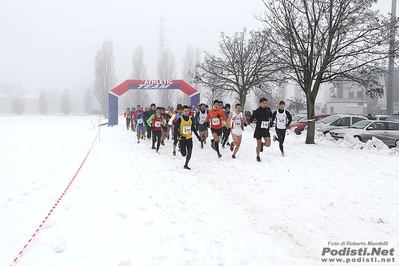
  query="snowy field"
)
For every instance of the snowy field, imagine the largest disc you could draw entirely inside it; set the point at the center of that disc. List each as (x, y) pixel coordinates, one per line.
(131, 206)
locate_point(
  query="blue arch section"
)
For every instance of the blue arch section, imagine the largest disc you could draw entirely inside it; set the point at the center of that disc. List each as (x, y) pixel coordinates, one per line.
(113, 105)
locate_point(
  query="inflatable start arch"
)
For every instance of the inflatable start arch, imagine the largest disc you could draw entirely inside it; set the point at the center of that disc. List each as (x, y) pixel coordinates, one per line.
(135, 84)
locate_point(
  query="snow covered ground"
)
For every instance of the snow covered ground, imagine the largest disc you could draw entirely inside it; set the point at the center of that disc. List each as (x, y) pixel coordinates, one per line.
(131, 206)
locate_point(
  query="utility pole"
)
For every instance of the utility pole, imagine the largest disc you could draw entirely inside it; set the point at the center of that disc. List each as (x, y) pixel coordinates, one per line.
(389, 93)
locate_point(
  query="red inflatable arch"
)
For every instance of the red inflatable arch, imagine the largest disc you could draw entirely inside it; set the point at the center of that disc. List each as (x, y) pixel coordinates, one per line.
(135, 84)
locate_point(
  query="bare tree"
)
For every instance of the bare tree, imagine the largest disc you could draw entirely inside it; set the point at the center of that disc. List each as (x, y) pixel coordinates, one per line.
(244, 64)
(18, 105)
(139, 72)
(88, 101)
(66, 103)
(42, 103)
(180, 98)
(296, 104)
(319, 41)
(190, 60)
(104, 71)
(211, 93)
(166, 71)
(273, 95)
(9, 89)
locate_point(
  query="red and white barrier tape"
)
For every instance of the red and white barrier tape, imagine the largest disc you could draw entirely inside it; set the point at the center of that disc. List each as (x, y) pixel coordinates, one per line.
(55, 205)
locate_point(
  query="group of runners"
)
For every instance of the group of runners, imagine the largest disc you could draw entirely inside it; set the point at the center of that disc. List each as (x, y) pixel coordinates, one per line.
(159, 123)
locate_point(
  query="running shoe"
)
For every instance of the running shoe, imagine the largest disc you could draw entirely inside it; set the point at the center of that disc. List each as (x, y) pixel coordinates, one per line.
(232, 146)
(258, 159)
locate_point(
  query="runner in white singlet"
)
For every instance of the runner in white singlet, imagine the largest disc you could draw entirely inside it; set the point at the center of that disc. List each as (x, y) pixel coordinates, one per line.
(237, 121)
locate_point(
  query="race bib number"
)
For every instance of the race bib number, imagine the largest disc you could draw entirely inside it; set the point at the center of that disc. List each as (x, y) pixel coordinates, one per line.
(140, 121)
(215, 121)
(281, 120)
(186, 130)
(237, 123)
(202, 120)
(157, 124)
(264, 124)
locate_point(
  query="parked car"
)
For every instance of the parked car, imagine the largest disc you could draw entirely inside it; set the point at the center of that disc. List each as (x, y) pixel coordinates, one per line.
(394, 117)
(386, 131)
(381, 117)
(298, 117)
(301, 124)
(329, 123)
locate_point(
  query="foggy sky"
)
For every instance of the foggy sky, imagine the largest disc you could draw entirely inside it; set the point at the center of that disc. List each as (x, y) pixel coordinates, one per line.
(50, 44)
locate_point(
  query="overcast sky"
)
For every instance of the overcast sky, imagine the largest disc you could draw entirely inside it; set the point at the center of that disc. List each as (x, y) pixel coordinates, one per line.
(48, 44)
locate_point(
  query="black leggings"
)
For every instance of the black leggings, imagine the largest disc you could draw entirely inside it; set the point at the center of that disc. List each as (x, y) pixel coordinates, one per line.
(226, 134)
(175, 139)
(156, 136)
(186, 148)
(280, 138)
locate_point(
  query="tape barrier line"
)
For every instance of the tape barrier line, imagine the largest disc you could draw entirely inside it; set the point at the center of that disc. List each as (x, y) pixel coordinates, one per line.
(55, 204)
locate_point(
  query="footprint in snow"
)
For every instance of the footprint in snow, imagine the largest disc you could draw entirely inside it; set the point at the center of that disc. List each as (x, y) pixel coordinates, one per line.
(25, 193)
(122, 215)
(142, 208)
(125, 263)
(149, 223)
(58, 245)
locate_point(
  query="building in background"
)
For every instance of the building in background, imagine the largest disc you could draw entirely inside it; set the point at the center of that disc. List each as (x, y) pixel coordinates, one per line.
(350, 98)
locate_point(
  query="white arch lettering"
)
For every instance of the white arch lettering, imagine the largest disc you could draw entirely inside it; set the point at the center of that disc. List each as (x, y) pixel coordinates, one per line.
(158, 82)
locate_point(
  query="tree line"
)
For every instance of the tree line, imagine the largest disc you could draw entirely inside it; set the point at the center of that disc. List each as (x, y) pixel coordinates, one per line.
(302, 42)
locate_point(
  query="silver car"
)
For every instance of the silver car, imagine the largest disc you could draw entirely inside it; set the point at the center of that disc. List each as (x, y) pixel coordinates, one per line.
(332, 122)
(394, 117)
(386, 131)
